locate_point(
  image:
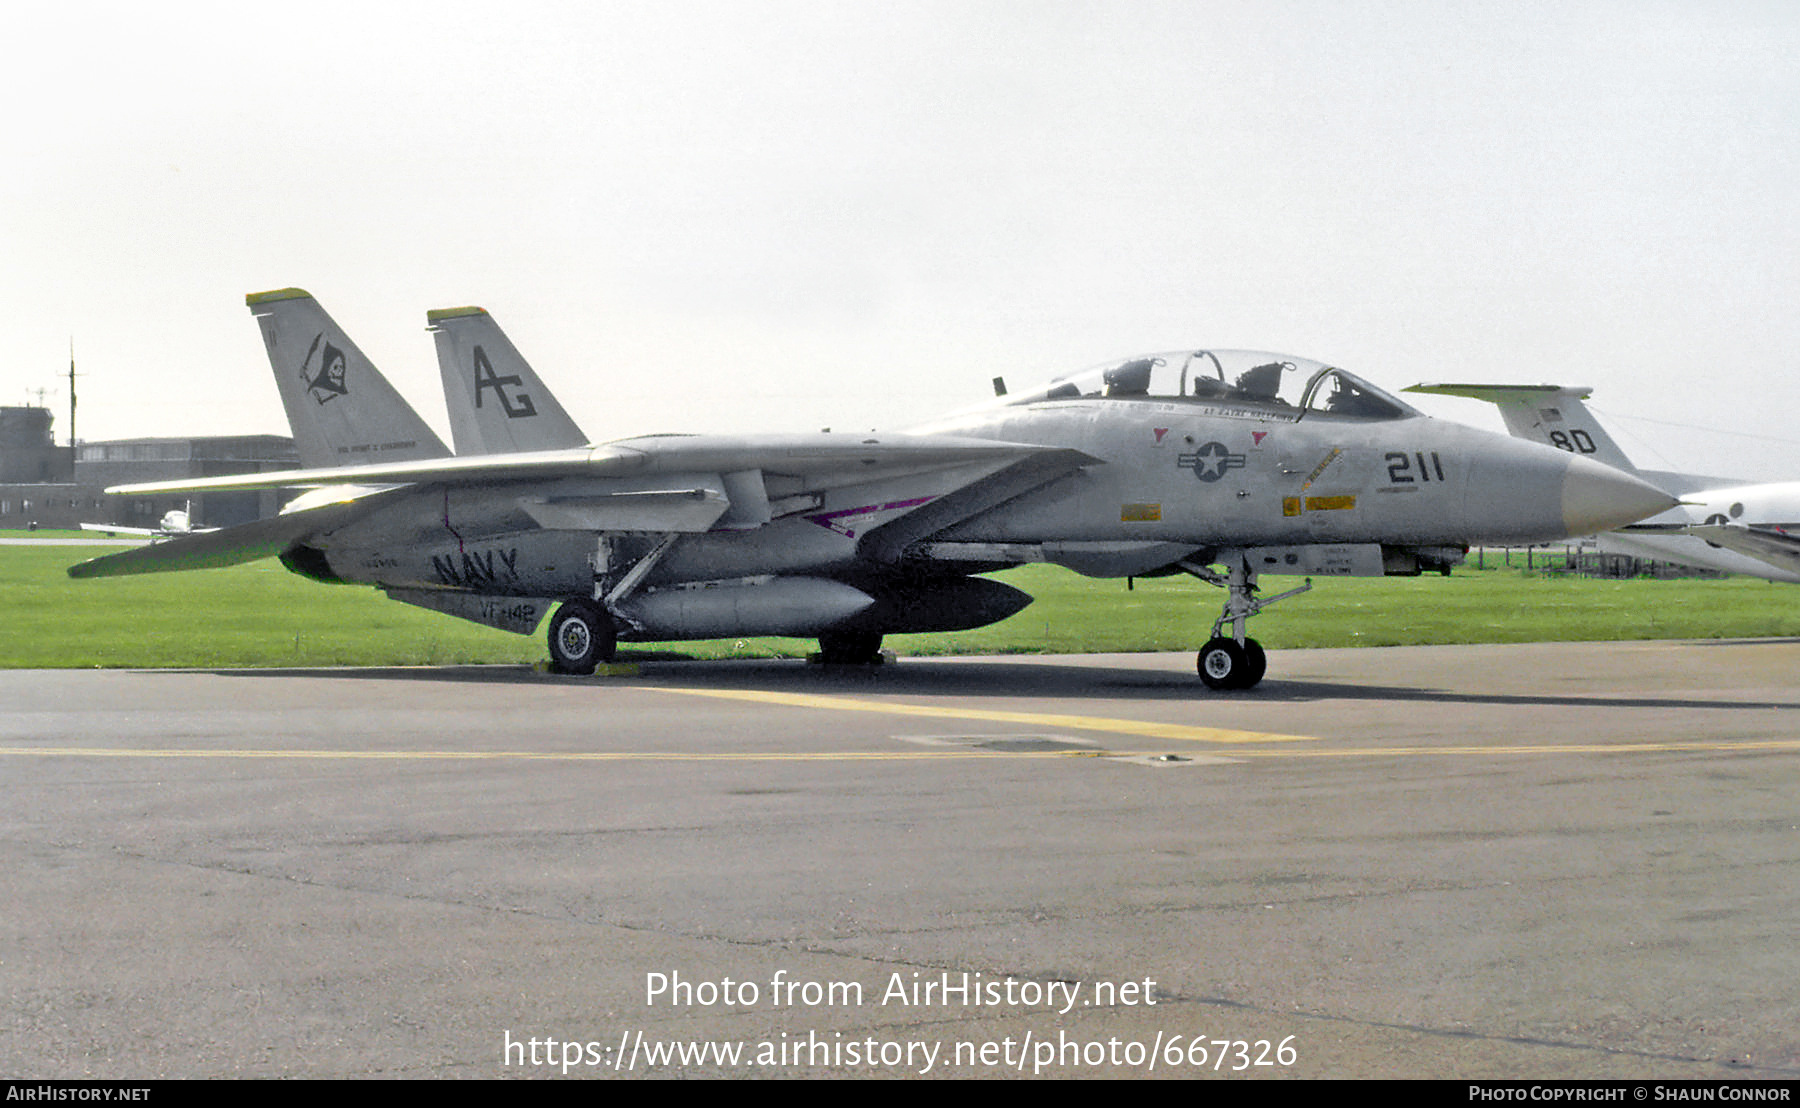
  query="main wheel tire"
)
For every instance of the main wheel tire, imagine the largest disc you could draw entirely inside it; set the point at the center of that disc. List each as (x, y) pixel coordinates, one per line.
(1256, 663)
(581, 637)
(849, 648)
(1223, 664)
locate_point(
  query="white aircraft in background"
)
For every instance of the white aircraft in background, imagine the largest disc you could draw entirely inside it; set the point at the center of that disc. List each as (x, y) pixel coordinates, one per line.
(1222, 465)
(175, 521)
(1753, 529)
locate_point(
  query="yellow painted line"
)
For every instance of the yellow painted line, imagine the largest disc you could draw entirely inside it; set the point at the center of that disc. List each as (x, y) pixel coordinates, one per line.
(537, 755)
(1685, 746)
(1680, 746)
(1141, 728)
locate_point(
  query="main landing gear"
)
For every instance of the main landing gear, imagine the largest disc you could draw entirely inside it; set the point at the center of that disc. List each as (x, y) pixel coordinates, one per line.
(1235, 661)
(584, 632)
(849, 648)
(582, 636)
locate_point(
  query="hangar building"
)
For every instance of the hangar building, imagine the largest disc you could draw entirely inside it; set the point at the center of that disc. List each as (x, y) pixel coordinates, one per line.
(42, 484)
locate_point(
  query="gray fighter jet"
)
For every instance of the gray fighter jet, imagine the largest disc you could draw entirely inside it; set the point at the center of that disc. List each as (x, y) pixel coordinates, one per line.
(1223, 465)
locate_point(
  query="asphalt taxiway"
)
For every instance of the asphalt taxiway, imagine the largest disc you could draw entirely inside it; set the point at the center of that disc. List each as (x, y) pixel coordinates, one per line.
(1554, 860)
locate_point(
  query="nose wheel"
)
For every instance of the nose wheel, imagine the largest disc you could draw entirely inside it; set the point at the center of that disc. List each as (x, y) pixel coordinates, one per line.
(1229, 662)
(1224, 664)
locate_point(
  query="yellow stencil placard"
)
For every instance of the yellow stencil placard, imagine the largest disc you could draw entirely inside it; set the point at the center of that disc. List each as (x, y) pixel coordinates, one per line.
(1329, 503)
(1140, 513)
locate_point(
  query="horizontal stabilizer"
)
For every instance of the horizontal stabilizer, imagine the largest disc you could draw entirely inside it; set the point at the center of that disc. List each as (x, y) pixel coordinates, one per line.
(228, 546)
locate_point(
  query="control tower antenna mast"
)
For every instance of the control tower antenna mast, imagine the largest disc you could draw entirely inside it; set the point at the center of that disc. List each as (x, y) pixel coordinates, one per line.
(72, 392)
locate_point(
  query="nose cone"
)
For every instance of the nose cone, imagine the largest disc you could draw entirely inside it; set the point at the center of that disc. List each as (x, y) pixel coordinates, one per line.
(1599, 498)
(1522, 492)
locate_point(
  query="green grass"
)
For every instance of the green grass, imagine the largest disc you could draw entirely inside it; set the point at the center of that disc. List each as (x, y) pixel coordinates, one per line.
(1074, 614)
(261, 615)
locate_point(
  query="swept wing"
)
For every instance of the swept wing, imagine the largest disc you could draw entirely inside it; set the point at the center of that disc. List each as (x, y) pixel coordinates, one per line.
(658, 484)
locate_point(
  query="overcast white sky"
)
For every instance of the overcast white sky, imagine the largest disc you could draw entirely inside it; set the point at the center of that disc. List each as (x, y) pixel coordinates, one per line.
(754, 215)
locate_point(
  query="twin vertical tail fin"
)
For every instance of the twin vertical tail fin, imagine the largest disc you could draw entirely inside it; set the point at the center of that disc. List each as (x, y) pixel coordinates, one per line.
(341, 409)
(1550, 414)
(498, 404)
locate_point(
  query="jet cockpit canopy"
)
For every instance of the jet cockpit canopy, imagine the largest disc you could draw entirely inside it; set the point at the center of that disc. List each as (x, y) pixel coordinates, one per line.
(1230, 382)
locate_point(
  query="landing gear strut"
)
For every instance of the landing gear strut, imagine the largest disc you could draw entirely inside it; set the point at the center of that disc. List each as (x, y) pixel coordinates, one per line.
(1235, 661)
(584, 632)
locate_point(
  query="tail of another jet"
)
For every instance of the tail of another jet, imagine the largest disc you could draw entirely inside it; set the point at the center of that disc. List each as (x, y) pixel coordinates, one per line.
(1550, 414)
(341, 409)
(498, 405)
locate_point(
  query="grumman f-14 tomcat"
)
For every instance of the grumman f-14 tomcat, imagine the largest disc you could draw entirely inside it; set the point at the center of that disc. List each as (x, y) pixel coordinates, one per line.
(1223, 465)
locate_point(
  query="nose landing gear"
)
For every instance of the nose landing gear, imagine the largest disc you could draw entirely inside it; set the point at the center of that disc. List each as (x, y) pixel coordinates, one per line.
(1235, 661)
(1224, 664)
